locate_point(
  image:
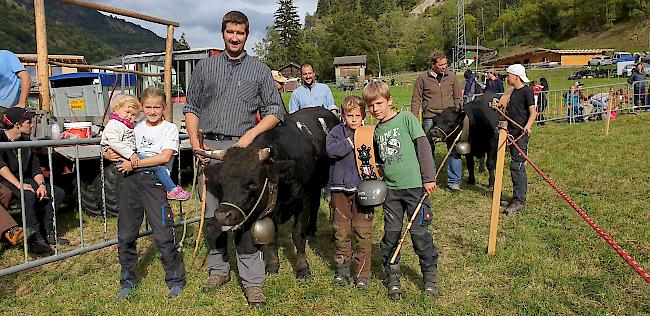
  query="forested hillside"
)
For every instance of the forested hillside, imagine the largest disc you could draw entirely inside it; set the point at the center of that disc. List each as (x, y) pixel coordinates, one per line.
(73, 30)
(384, 30)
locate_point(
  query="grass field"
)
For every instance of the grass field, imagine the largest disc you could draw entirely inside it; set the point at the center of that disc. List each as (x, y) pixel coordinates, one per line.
(548, 261)
(557, 79)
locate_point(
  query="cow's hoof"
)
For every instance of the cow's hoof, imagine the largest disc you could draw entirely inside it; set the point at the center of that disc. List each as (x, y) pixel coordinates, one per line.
(303, 274)
(471, 181)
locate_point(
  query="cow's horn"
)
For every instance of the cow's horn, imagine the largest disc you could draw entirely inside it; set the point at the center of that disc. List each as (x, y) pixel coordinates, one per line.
(264, 153)
(213, 154)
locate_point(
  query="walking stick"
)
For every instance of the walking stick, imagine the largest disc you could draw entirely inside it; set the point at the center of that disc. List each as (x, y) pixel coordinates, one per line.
(408, 227)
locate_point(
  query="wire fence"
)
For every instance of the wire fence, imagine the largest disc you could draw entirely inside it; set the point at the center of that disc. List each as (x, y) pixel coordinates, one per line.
(99, 234)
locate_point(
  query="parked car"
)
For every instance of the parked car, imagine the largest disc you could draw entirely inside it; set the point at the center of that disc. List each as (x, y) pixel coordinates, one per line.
(600, 60)
(623, 56)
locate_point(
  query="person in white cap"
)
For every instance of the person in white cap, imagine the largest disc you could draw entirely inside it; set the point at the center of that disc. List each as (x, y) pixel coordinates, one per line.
(521, 109)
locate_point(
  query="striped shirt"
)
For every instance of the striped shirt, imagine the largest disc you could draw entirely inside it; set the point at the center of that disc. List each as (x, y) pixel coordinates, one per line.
(318, 95)
(225, 94)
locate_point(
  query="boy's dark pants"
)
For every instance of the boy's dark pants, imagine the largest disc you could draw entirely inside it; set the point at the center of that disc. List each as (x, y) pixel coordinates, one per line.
(349, 217)
(398, 205)
(36, 211)
(518, 170)
(141, 193)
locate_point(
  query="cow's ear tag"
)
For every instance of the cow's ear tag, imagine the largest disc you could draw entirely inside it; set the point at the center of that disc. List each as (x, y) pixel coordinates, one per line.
(264, 153)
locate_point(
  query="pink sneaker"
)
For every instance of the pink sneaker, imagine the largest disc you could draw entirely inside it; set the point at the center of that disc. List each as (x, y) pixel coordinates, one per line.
(178, 194)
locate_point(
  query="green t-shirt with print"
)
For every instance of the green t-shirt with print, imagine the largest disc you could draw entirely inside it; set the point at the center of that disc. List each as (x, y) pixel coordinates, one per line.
(394, 139)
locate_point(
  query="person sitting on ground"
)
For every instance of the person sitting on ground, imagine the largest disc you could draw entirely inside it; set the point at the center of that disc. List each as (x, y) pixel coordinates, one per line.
(8, 226)
(348, 217)
(118, 135)
(37, 192)
(596, 105)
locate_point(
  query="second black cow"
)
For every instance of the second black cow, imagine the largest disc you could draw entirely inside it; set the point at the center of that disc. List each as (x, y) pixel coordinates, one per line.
(280, 175)
(483, 132)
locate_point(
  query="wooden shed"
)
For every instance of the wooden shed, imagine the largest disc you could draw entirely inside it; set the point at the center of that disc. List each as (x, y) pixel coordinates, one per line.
(290, 70)
(565, 57)
(347, 67)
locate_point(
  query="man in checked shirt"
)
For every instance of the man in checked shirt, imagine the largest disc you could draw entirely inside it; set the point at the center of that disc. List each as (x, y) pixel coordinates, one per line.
(225, 93)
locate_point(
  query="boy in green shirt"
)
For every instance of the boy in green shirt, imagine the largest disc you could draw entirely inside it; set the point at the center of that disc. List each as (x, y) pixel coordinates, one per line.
(409, 172)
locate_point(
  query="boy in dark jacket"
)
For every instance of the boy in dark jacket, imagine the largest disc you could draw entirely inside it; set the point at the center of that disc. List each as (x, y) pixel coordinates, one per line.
(347, 214)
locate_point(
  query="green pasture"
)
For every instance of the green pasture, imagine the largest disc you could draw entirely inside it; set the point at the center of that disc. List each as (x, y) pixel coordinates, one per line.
(548, 260)
(402, 91)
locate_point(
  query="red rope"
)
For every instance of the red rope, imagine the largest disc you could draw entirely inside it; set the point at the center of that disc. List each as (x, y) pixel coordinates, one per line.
(586, 217)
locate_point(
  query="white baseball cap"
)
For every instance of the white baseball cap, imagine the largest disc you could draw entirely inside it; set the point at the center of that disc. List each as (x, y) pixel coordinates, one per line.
(518, 70)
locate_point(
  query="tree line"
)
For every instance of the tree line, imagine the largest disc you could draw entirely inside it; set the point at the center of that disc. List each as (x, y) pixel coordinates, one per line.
(386, 32)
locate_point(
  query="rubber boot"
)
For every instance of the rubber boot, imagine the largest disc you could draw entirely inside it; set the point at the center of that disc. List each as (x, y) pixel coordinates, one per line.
(392, 282)
(430, 288)
(342, 276)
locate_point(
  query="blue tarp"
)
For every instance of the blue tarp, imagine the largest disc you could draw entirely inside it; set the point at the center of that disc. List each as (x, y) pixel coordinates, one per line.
(106, 79)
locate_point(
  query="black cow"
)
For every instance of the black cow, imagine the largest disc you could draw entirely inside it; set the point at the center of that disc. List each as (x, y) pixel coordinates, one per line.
(280, 175)
(483, 132)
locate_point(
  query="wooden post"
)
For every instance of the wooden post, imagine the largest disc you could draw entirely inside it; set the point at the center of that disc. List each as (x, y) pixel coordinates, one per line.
(498, 185)
(42, 67)
(123, 12)
(609, 112)
(168, 73)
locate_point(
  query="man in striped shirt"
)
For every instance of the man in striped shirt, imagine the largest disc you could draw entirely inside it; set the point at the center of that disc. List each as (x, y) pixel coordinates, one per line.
(225, 93)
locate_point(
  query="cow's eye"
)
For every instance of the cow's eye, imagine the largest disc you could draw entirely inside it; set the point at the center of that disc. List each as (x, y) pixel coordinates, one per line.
(252, 186)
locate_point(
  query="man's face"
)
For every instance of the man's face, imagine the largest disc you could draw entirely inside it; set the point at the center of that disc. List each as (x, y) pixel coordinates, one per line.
(380, 108)
(512, 79)
(307, 75)
(25, 127)
(234, 36)
(440, 66)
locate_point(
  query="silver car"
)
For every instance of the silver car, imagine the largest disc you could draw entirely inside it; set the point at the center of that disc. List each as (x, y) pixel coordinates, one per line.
(600, 60)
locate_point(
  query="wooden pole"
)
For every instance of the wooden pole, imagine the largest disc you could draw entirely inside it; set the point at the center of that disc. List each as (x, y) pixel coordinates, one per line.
(609, 112)
(42, 68)
(498, 185)
(168, 72)
(123, 12)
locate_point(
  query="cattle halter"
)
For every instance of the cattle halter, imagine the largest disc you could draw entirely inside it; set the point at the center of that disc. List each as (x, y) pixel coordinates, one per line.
(451, 133)
(271, 203)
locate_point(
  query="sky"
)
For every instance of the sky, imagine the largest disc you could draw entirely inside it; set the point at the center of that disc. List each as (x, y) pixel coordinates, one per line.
(200, 20)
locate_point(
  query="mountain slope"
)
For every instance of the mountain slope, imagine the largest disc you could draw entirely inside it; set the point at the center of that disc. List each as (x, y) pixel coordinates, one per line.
(73, 30)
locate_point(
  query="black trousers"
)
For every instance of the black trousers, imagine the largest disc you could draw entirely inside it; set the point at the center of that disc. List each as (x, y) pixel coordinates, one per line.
(518, 169)
(37, 212)
(398, 205)
(139, 194)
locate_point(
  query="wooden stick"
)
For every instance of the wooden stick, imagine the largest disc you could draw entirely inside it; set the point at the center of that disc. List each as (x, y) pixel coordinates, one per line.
(609, 113)
(42, 68)
(408, 227)
(123, 12)
(169, 46)
(498, 183)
